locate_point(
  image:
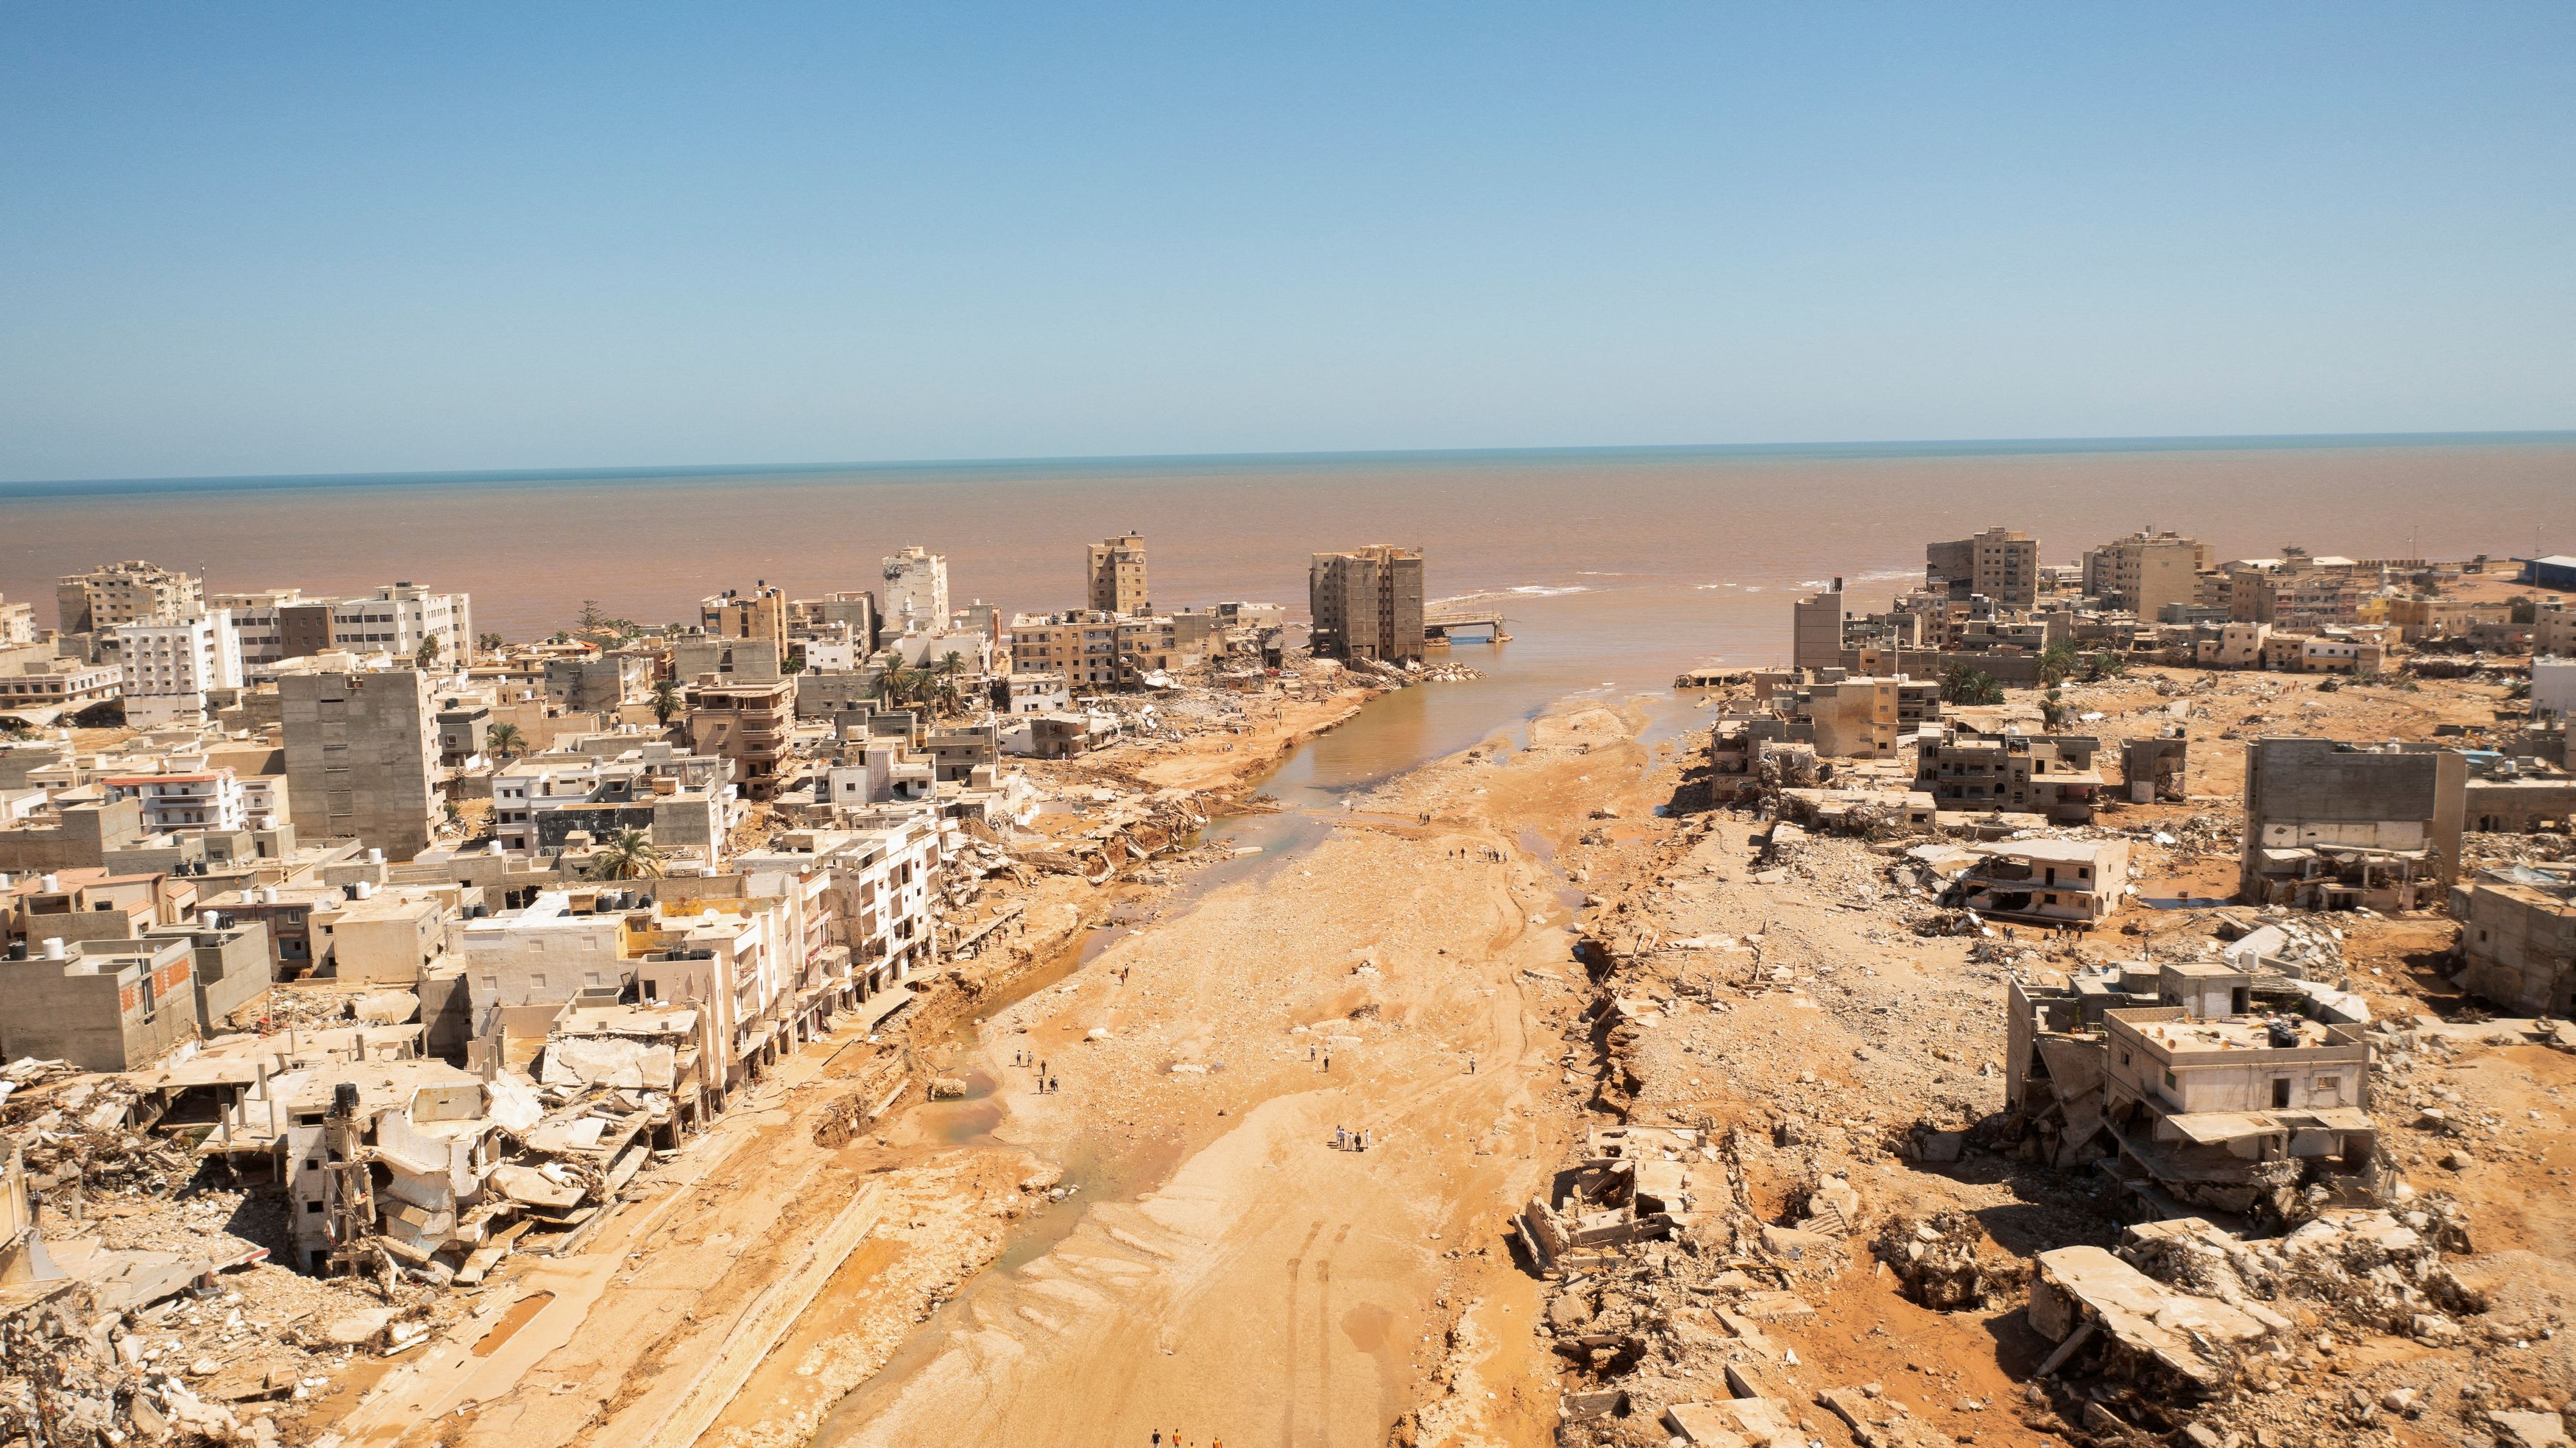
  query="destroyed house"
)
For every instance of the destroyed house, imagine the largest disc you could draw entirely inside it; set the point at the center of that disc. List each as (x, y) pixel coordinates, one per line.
(2184, 1079)
(2517, 944)
(649, 1055)
(2071, 882)
(380, 1154)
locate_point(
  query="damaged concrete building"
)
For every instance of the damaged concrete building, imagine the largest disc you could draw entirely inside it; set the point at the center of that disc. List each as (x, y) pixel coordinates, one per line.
(1633, 1185)
(2050, 775)
(2334, 826)
(2044, 881)
(2196, 1085)
(2517, 945)
(2156, 768)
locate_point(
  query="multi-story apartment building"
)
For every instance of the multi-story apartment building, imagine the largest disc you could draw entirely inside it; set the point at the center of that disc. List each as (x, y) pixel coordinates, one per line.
(2295, 591)
(1096, 650)
(203, 799)
(760, 614)
(2553, 630)
(2050, 775)
(17, 624)
(916, 593)
(748, 723)
(2146, 571)
(2000, 563)
(49, 681)
(679, 800)
(362, 757)
(398, 619)
(130, 592)
(1114, 576)
(402, 617)
(1367, 604)
(170, 664)
(852, 609)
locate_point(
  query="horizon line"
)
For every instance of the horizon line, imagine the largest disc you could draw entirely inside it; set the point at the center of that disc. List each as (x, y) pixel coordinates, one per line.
(1889, 448)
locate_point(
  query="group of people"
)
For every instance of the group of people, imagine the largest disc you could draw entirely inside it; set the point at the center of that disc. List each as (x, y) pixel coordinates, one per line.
(1348, 1140)
(1046, 1083)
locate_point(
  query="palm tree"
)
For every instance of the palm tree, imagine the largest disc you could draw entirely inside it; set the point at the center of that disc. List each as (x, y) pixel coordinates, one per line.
(666, 701)
(945, 674)
(490, 643)
(427, 653)
(630, 855)
(507, 741)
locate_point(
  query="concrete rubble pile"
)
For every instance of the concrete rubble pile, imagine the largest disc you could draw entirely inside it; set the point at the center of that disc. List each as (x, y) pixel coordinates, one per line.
(1941, 1263)
(1664, 1276)
(87, 1133)
(2369, 1268)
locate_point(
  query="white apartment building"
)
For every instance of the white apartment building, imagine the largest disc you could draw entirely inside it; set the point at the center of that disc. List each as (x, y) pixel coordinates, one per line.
(205, 799)
(17, 624)
(916, 583)
(679, 800)
(57, 683)
(283, 623)
(2553, 688)
(170, 665)
(1036, 692)
(256, 627)
(403, 616)
(834, 656)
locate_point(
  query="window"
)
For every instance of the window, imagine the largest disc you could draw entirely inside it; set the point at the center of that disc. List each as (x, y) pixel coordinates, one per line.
(313, 1208)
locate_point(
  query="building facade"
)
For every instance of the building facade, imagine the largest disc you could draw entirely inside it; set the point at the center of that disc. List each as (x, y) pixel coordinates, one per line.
(2146, 571)
(130, 592)
(1999, 563)
(1367, 604)
(1114, 576)
(760, 614)
(362, 757)
(916, 588)
(170, 664)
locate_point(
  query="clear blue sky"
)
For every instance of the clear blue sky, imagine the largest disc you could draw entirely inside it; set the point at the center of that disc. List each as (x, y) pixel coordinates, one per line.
(376, 237)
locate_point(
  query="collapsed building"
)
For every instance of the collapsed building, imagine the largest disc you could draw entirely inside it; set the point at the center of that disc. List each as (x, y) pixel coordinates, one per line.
(2156, 768)
(2332, 826)
(2197, 1085)
(1631, 1186)
(2044, 881)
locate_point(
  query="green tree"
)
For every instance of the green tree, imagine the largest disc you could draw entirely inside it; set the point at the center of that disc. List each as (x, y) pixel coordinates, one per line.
(2521, 609)
(945, 675)
(667, 701)
(507, 741)
(2102, 664)
(628, 855)
(1967, 684)
(591, 617)
(428, 652)
(2056, 662)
